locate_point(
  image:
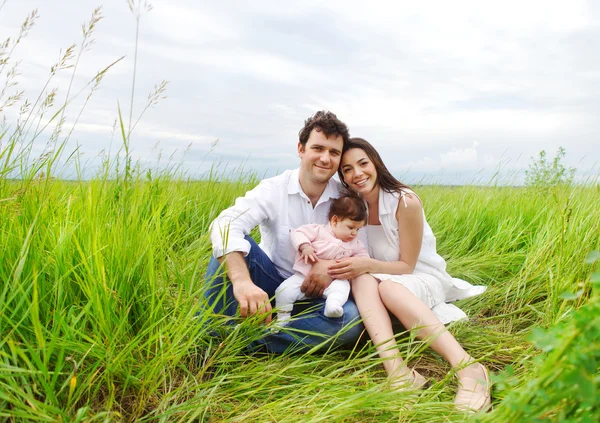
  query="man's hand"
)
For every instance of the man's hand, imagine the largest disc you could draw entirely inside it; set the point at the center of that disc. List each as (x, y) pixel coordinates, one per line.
(318, 280)
(308, 253)
(252, 299)
(349, 268)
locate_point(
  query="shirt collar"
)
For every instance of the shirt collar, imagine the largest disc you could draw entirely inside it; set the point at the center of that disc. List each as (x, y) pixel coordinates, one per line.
(294, 183)
(332, 190)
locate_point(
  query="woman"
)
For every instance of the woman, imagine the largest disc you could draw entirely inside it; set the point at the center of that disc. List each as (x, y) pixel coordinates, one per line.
(406, 276)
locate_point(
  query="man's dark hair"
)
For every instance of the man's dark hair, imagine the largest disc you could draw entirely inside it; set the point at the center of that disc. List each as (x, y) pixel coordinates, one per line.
(325, 122)
(348, 206)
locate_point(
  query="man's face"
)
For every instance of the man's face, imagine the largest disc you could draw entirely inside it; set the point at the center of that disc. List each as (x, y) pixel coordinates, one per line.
(320, 157)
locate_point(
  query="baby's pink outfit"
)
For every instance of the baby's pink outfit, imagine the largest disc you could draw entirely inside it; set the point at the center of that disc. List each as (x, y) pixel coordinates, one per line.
(325, 244)
(327, 247)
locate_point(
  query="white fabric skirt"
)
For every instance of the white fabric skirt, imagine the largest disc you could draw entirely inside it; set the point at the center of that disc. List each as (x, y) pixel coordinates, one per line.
(425, 287)
(433, 292)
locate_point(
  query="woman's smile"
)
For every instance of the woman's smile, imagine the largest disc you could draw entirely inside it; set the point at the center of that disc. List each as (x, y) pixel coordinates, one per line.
(361, 182)
(358, 170)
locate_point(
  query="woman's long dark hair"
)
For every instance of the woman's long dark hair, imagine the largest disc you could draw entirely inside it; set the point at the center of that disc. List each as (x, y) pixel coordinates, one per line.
(384, 178)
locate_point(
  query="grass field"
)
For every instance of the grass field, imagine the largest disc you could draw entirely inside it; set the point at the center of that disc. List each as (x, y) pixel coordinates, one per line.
(101, 281)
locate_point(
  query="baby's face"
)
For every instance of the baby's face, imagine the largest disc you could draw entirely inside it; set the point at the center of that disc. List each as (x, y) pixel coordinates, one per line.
(345, 229)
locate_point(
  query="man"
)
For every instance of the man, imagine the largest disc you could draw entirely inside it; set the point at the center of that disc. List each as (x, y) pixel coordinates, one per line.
(278, 205)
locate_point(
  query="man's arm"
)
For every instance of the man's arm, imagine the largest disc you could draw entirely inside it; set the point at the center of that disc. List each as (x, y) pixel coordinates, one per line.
(228, 230)
(227, 236)
(250, 297)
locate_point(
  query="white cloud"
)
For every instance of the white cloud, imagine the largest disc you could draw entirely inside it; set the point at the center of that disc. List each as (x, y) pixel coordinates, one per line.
(489, 160)
(189, 24)
(411, 116)
(241, 61)
(460, 15)
(460, 158)
(149, 131)
(515, 77)
(425, 164)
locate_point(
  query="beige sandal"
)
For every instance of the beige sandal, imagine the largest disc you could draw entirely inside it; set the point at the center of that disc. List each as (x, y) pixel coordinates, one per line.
(474, 394)
(412, 382)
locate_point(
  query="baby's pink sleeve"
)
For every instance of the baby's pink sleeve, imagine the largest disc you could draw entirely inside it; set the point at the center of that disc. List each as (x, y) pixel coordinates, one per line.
(305, 234)
(360, 250)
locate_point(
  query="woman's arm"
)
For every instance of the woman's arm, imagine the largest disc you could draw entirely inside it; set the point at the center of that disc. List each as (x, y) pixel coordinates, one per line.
(410, 234)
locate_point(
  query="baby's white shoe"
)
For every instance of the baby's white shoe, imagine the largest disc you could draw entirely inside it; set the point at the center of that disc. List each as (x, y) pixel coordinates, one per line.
(283, 318)
(333, 309)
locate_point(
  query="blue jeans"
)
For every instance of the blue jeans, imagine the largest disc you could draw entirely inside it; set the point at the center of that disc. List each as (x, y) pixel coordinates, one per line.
(337, 331)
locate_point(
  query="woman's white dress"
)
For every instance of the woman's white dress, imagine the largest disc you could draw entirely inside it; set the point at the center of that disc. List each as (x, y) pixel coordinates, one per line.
(429, 281)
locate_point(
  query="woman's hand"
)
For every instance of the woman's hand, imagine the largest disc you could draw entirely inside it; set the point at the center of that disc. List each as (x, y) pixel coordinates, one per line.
(349, 268)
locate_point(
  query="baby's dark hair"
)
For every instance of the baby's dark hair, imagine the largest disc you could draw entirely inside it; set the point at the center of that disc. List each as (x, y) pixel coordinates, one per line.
(348, 206)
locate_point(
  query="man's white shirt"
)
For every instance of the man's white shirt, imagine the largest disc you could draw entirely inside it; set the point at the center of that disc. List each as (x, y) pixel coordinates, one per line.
(277, 205)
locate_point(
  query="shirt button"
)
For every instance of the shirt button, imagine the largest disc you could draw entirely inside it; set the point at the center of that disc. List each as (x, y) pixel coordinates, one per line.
(308, 202)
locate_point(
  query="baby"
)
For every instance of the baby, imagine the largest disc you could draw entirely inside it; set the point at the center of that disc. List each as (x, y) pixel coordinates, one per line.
(332, 241)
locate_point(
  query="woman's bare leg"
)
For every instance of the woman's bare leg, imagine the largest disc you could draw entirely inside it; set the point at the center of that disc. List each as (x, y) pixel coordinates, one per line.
(412, 312)
(379, 326)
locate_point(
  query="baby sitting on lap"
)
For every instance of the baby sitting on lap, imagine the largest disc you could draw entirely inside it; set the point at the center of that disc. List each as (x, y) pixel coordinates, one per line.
(335, 240)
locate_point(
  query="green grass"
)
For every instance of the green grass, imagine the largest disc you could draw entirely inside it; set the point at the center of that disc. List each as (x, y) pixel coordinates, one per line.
(108, 275)
(101, 281)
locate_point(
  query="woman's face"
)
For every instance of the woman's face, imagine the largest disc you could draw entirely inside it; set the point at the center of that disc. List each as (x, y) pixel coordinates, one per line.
(359, 171)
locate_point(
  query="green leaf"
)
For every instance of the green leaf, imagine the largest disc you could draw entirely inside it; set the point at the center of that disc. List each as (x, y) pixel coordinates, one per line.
(569, 296)
(543, 339)
(593, 257)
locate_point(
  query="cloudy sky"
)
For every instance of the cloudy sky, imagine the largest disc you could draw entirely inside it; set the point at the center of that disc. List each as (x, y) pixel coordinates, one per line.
(447, 91)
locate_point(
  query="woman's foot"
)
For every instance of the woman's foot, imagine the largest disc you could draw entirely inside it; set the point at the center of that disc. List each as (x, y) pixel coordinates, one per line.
(474, 388)
(409, 381)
